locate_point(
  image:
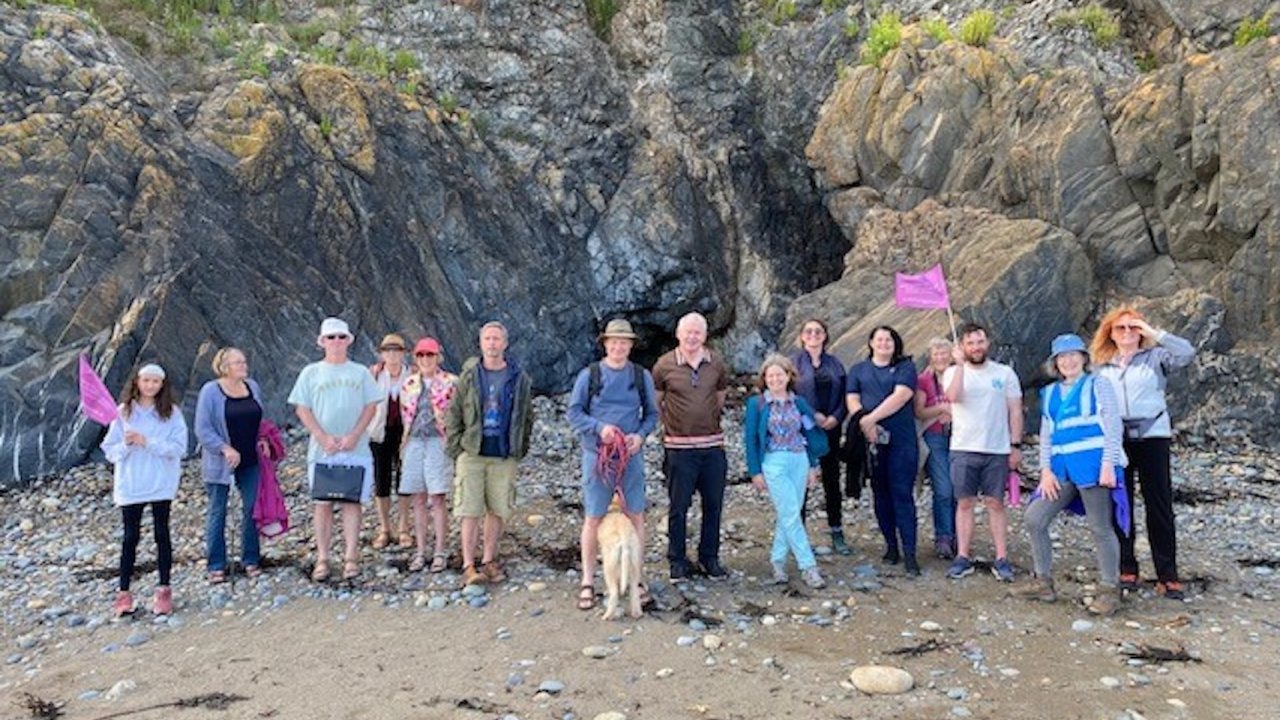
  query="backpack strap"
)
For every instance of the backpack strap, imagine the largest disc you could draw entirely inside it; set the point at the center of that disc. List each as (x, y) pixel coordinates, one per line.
(594, 383)
(641, 390)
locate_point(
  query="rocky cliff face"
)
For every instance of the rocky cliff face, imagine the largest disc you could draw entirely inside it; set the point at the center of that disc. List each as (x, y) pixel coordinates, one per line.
(701, 157)
(534, 174)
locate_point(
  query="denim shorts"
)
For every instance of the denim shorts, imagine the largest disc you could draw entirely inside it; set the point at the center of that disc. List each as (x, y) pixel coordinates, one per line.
(596, 495)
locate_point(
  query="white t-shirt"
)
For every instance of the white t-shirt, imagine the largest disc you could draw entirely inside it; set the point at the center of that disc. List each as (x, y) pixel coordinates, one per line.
(980, 421)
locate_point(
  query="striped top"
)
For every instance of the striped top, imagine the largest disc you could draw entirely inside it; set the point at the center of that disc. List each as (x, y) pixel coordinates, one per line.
(1108, 410)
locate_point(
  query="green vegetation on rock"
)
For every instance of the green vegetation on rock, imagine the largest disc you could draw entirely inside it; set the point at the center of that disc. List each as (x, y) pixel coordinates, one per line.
(1251, 30)
(1100, 22)
(884, 35)
(978, 28)
(936, 28)
(600, 15)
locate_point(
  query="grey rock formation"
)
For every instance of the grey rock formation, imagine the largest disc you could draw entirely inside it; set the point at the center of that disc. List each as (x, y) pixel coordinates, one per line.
(536, 175)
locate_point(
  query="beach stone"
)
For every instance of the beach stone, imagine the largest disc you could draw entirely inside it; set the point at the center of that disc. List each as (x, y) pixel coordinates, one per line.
(686, 640)
(1082, 626)
(13, 659)
(438, 602)
(137, 639)
(930, 626)
(768, 620)
(551, 687)
(961, 711)
(473, 591)
(665, 672)
(89, 695)
(28, 641)
(120, 689)
(537, 586)
(596, 651)
(712, 642)
(957, 693)
(697, 625)
(881, 680)
(478, 601)
(1110, 682)
(611, 715)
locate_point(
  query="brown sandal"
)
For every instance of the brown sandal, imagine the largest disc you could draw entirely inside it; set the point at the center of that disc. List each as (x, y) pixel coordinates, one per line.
(381, 540)
(418, 562)
(406, 539)
(350, 569)
(439, 562)
(586, 597)
(321, 571)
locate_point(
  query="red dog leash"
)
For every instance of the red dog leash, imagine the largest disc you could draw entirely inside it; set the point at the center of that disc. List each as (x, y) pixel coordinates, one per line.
(612, 457)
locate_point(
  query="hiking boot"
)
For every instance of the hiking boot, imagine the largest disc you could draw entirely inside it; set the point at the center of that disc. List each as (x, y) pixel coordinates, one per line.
(838, 544)
(1171, 589)
(960, 567)
(1037, 588)
(1002, 570)
(471, 576)
(1106, 601)
(124, 604)
(1129, 581)
(942, 548)
(162, 603)
(493, 572)
(679, 570)
(813, 578)
(780, 574)
(912, 566)
(891, 556)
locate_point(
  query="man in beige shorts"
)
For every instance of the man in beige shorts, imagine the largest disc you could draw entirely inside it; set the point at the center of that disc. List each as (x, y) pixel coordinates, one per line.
(487, 431)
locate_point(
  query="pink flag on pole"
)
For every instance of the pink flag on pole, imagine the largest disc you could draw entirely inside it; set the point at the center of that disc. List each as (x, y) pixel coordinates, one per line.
(926, 291)
(95, 399)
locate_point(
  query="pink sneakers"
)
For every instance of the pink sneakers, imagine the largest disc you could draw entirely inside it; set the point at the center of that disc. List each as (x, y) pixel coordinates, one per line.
(124, 603)
(163, 602)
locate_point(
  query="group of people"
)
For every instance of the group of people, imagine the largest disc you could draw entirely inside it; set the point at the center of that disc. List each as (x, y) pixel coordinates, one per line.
(437, 439)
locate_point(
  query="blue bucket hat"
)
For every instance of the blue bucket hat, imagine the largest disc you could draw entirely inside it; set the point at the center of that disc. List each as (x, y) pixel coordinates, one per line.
(1068, 342)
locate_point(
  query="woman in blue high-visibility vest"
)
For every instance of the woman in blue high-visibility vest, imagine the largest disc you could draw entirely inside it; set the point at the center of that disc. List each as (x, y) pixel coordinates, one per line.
(1081, 463)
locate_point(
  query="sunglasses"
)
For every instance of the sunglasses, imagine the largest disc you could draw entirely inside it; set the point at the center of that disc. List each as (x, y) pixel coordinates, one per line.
(391, 348)
(1125, 328)
(425, 354)
(336, 337)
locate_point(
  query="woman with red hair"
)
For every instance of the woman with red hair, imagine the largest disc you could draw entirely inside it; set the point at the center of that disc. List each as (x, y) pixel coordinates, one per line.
(1137, 359)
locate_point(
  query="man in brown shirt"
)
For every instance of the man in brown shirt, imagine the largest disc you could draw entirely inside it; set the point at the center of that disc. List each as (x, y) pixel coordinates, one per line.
(690, 382)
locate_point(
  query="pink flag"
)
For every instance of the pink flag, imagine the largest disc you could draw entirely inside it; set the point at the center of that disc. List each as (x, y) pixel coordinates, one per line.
(95, 399)
(927, 291)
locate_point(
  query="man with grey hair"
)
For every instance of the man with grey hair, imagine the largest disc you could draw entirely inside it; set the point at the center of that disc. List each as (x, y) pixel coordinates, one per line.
(487, 432)
(691, 383)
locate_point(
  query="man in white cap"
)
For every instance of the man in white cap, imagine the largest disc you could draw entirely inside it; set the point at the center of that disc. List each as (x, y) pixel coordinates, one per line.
(336, 399)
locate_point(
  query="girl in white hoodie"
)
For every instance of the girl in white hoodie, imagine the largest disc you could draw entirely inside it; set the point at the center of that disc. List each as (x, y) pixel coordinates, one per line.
(146, 444)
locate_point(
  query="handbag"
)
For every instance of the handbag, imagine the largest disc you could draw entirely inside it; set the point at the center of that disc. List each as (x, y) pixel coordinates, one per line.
(341, 483)
(1137, 428)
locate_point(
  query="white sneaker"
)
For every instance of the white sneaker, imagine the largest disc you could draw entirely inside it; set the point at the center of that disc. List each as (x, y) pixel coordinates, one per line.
(780, 574)
(813, 578)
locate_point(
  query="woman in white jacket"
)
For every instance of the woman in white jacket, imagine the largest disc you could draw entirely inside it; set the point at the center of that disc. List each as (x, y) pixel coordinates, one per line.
(146, 444)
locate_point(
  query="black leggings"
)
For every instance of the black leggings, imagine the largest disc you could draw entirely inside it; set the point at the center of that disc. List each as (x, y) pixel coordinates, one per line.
(386, 462)
(831, 491)
(133, 532)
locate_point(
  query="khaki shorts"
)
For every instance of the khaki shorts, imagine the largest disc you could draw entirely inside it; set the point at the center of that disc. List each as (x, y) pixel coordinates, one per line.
(484, 485)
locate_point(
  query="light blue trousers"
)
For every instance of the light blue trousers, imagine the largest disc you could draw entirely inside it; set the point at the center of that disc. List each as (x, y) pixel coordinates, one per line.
(785, 474)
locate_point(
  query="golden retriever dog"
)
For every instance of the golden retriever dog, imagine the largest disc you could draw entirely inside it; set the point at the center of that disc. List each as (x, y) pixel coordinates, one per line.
(623, 561)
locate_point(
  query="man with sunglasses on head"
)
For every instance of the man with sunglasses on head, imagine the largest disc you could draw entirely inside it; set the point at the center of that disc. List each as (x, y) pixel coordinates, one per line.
(691, 383)
(336, 400)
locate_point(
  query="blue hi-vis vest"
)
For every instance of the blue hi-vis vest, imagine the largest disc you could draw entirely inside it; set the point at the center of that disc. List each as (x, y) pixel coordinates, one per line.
(1075, 453)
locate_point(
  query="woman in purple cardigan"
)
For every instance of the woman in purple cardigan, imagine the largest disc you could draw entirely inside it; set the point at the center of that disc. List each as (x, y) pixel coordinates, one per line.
(820, 379)
(228, 414)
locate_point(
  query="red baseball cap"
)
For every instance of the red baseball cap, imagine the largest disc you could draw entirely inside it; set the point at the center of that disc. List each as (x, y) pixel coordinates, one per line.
(428, 345)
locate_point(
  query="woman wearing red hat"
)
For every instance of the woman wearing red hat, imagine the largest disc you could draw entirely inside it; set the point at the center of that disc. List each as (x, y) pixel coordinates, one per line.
(427, 472)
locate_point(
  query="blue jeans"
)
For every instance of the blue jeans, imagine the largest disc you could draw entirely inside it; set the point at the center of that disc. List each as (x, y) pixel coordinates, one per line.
(944, 498)
(786, 474)
(893, 478)
(215, 535)
(702, 470)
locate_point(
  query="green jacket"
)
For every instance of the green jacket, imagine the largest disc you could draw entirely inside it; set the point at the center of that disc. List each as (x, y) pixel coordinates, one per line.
(463, 423)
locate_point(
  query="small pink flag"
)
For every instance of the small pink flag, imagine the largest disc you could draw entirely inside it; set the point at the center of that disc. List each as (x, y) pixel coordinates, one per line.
(926, 291)
(95, 400)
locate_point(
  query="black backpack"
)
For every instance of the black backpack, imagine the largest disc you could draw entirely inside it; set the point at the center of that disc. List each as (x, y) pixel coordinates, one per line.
(595, 383)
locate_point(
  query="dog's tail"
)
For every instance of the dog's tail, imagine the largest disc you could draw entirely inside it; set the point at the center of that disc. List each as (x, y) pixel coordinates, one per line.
(624, 563)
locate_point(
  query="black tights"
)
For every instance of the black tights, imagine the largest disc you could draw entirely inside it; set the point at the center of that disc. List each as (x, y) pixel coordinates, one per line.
(133, 533)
